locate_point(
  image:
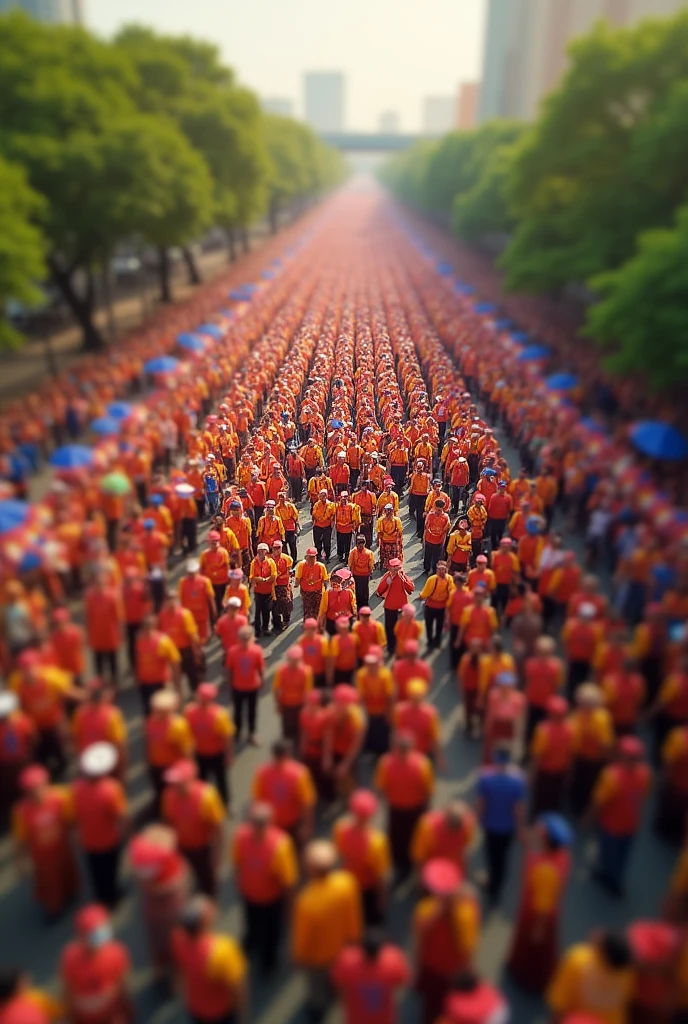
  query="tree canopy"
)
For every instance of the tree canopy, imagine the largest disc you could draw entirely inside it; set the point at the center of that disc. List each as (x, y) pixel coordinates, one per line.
(21, 245)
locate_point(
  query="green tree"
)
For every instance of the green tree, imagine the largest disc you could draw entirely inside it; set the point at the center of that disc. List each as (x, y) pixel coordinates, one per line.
(483, 208)
(21, 246)
(578, 188)
(642, 315)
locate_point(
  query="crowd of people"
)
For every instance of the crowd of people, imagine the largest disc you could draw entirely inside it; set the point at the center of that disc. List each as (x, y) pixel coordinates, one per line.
(358, 395)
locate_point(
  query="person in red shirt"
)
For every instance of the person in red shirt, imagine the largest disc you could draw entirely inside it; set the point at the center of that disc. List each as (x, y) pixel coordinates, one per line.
(17, 744)
(291, 684)
(473, 1001)
(394, 587)
(22, 1004)
(266, 873)
(213, 733)
(657, 959)
(499, 509)
(624, 695)
(214, 564)
(469, 674)
(245, 675)
(580, 637)
(617, 805)
(164, 883)
(99, 720)
(286, 785)
(67, 644)
(544, 675)
(230, 622)
(420, 718)
(551, 751)
(136, 600)
(101, 817)
(196, 593)
(368, 978)
(408, 666)
(41, 830)
(158, 662)
(364, 851)
(406, 779)
(449, 834)
(94, 971)
(104, 614)
(194, 810)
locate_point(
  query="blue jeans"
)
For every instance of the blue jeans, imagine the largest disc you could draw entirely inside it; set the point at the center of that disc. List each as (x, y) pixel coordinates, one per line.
(612, 856)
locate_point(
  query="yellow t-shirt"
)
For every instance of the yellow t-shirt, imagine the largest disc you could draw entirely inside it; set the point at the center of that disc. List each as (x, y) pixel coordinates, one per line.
(327, 917)
(226, 962)
(583, 984)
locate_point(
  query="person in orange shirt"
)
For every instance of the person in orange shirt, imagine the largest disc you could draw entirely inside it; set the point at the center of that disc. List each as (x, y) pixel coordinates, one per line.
(459, 547)
(266, 873)
(213, 731)
(551, 751)
(194, 810)
(535, 944)
(323, 515)
(345, 728)
(342, 654)
(197, 594)
(478, 620)
(290, 685)
(375, 686)
(369, 631)
(311, 578)
(137, 604)
(101, 818)
(505, 708)
(21, 1003)
(364, 851)
(361, 562)
(245, 677)
(95, 970)
(406, 628)
(214, 563)
(417, 716)
(617, 804)
(240, 525)
(43, 692)
(390, 536)
(41, 832)
(157, 662)
(624, 694)
(262, 578)
(67, 644)
(470, 675)
(104, 614)
(168, 739)
(544, 675)
(179, 625)
(506, 569)
(436, 595)
(338, 601)
(315, 647)
(449, 833)
(286, 785)
(406, 779)
(593, 739)
(436, 530)
(481, 575)
(580, 638)
(99, 720)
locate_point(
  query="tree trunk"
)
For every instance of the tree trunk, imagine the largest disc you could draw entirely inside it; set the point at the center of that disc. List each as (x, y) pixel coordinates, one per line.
(191, 266)
(106, 279)
(81, 307)
(164, 272)
(245, 240)
(231, 245)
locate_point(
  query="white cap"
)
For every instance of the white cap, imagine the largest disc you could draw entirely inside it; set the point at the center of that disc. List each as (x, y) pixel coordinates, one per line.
(99, 759)
(8, 703)
(193, 565)
(587, 610)
(263, 547)
(234, 602)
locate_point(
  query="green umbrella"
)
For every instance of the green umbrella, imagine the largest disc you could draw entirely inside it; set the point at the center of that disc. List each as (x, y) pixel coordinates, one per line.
(116, 483)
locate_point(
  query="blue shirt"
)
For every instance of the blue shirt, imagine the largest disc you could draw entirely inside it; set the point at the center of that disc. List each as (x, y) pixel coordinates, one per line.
(501, 792)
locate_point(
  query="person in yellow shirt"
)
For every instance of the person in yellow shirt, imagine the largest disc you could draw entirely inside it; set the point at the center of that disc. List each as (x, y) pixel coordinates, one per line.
(376, 689)
(323, 514)
(388, 497)
(390, 535)
(436, 594)
(364, 851)
(593, 739)
(20, 1001)
(327, 916)
(594, 977)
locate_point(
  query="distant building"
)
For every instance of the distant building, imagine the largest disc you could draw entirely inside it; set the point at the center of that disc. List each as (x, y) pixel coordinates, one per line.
(439, 114)
(278, 105)
(324, 100)
(526, 43)
(388, 123)
(52, 12)
(467, 106)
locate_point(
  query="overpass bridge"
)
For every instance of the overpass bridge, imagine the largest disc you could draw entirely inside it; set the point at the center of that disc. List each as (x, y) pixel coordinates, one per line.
(369, 142)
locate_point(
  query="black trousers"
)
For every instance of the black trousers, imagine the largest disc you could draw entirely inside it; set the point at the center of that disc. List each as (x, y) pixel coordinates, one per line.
(189, 666)
(132, 632)
(432, 553)
(454, 652)
(263, 931)
(362, 585)
(501, 597)
(296, 487)
(219, 591)
(245, 699)
(103, 869)
(402, 822)
(212, 768)
(344, 544)
(417, 510)
(263, 610)
(373, 914)
(290, 541)
(50, 752)
(497, 846)
(391, 617)
(146, 691)
(434, 624)
(106, 664)
(495, 529)
(322, 540)
(189, 535)
(200, 860)
(399, 474)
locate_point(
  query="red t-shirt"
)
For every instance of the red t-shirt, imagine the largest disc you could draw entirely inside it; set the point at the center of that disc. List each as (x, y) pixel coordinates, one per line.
(246, 665)
(98, 807)
(227, 628)
(94, 979)
(367, 987)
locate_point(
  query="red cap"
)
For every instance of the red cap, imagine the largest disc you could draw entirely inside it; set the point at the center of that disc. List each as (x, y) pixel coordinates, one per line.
(182, 771)
(213, 535)
(33, 777)
(207, 692)
(557, 706)
(653, 942)
(295, 653)
(365, 610)
(408, 608)
(342, 618)
(61, 615)
(395, 563)
(479, 498)
(480, 1006)
(363, 803)
(310, 624)
(411, 647)
(631, 746)
(441, 877)
(481, 560)
(90, 918)
(311, 551)
(344, 695)
(506, 542)
(27, 659)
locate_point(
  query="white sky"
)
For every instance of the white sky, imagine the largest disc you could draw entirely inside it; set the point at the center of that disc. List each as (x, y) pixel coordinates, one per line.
(393, 52)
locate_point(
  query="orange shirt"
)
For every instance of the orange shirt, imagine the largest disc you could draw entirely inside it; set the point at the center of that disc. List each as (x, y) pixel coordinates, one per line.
(104, 618)
(99, 807)
(168, 740)
(265, 863)
(195, 813)
(179, 625)
(288, 788)
(422, 721)
(215, 565)
(68, 644)
(376, 689)
(406, 781)
(291, 683)
(155, 654)
(94, 980)
(543, 676)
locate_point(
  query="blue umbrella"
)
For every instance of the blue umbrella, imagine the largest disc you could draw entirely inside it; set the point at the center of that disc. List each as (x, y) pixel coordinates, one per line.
(161, 364)
(30, 560)
(106, 426)
(120, 410)
(532, 353)
(191, 343)
(463, 289)
(562, 382)
(658, 440)
(485, 307)
(336, 424)
(592, 425)
(13, 514)
(212, 330)
(503, 325)
(445, 269)
(71, 456)
(520, 337)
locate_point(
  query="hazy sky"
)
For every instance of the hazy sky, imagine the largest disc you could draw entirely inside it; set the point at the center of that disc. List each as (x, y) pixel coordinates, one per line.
(393, 52)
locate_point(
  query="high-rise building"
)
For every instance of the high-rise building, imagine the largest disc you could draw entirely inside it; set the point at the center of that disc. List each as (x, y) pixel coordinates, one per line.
(278, 105)
(439, 114)
(526, 44)
(53, 12)
(388, 122)
(324, 100)
(467, 106)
